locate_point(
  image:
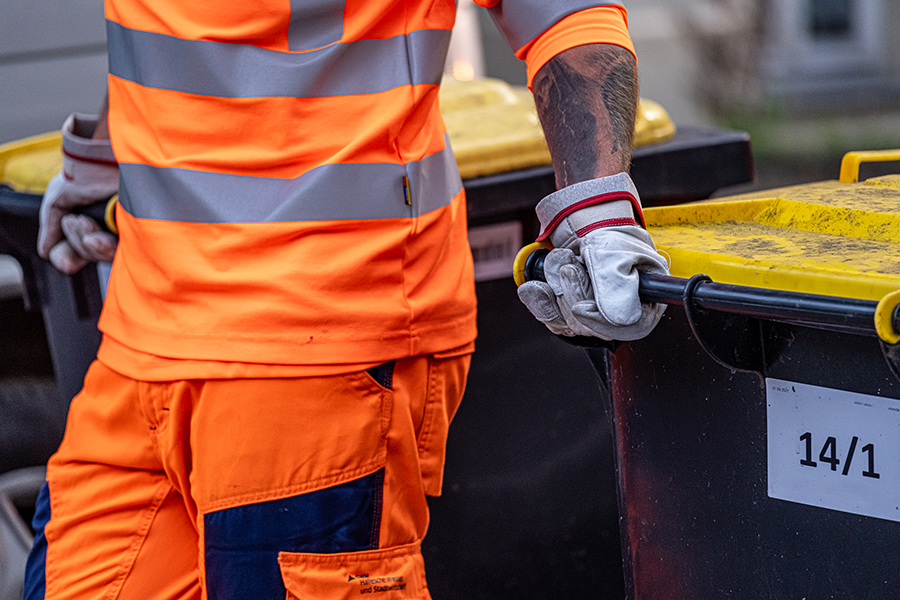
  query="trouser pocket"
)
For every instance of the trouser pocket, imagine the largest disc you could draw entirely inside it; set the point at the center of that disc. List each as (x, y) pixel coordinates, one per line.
(383, 374)
(390, 574)
(243, 543)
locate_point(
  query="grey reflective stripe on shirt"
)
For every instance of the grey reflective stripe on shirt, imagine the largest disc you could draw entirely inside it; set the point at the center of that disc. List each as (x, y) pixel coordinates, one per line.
(315, 23)
(521, 21)
(328, 192)
(245, 71)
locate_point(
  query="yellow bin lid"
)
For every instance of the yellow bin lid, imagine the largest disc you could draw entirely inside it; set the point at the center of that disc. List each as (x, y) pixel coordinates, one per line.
(831, 238)
(27, 165)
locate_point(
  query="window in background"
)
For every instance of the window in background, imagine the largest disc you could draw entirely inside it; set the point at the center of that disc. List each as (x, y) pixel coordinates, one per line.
(830, 18)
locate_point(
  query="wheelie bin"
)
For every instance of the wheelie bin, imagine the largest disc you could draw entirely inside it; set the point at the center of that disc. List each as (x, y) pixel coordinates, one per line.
(34, 415)
(70, 305)
(757, 428)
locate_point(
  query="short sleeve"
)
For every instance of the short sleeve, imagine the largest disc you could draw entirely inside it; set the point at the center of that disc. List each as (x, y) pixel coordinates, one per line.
(538, 30)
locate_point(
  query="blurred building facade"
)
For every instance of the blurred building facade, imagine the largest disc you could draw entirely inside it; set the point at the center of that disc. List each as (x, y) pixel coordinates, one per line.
(52, 62)
(703, 58)
(798, 55)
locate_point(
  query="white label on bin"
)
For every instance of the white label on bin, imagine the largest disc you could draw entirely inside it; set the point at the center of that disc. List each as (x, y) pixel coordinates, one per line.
(494, 248)
(834, 449)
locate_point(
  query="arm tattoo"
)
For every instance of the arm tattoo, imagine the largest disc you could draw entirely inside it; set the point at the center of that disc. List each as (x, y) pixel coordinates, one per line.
(586, 98)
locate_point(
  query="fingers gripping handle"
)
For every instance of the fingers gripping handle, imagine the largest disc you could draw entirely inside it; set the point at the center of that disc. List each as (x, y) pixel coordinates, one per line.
(529, 263)
(104, 212)
(857, 316)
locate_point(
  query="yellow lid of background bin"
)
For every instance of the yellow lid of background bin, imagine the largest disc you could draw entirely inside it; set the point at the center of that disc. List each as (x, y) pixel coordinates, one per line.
(494, 127)
(831, 238)
(27, 165)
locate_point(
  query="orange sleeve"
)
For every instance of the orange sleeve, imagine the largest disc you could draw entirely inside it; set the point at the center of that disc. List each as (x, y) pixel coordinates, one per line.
(600, 25)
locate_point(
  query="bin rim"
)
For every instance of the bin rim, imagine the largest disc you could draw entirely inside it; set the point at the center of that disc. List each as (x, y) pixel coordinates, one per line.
(27, 164)
(797, 239)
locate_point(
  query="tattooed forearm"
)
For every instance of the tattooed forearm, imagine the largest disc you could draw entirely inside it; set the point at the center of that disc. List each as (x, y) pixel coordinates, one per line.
(586, 99)
(620, 99)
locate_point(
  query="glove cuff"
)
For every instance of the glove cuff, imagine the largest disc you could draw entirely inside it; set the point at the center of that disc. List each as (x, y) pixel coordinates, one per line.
(554, 208)
(77, 143)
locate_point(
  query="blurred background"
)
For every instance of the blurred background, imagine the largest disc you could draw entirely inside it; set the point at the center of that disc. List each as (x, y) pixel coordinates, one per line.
(808, 79)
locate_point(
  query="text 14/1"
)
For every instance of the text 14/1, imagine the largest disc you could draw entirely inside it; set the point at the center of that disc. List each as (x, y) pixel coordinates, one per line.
(829, 451)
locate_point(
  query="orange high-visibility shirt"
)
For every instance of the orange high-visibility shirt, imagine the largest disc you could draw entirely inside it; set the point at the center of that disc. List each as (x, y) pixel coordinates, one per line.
(288, 195)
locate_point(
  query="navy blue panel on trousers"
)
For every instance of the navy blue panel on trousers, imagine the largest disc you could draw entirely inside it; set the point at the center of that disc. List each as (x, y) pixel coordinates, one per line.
(36, 569)
(242, 543)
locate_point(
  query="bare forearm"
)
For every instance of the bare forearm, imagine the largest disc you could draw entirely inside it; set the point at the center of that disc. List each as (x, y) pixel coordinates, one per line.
(586, 99)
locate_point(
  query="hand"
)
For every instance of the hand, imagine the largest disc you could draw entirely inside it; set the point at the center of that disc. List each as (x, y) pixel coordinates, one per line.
(595, 292)
(90, 174)
(591, 276)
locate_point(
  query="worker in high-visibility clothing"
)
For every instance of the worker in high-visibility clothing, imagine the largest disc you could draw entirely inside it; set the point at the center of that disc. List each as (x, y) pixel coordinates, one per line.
(291, 310)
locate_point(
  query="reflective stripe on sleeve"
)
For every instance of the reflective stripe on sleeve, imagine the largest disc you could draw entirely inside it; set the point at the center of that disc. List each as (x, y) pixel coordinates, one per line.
(246, 71)
(521, 21)
(326, 193)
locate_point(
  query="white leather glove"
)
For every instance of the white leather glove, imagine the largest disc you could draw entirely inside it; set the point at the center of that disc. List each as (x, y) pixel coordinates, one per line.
(90, 174)
(591, 286)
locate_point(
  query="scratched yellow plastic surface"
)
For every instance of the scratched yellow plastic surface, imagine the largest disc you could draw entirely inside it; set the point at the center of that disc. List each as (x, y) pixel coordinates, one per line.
(27, 165)
(824, 238)
(494, 127)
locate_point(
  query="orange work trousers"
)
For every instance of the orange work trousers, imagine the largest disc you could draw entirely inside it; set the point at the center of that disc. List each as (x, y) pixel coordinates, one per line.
(311, 488)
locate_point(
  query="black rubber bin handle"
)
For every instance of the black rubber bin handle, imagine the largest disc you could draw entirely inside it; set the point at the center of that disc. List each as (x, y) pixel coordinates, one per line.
(701, 293)
(28, 205)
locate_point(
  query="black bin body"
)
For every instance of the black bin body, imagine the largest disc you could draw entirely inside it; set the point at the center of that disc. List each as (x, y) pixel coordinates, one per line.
(691, 452)
(34, 415)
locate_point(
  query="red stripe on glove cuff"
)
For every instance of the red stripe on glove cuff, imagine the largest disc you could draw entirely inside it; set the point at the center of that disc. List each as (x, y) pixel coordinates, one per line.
(91, 160)
(605, 223)
(608, 197)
